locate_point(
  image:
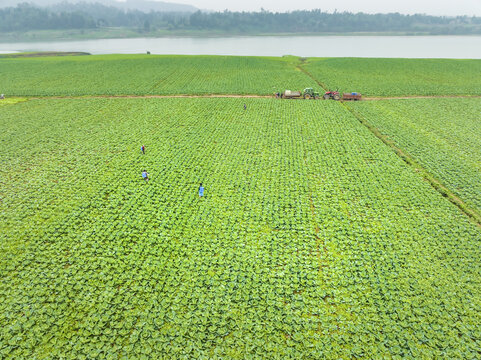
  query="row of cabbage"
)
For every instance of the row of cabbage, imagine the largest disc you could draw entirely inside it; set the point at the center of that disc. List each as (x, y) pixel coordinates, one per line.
(443, 135)
(313, 240)
(150, 74)
(398, 77)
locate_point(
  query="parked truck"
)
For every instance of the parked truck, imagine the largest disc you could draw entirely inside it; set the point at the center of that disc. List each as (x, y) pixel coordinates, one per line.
(308, 93)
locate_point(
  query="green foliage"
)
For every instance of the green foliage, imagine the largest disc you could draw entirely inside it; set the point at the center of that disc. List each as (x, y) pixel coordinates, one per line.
(150, 74)
(122, 14)
(398, 77)
(314, 239)
(444, 135)
(196, 75)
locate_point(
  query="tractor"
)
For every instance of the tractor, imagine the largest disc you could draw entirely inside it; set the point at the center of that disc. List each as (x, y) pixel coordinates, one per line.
(332, 95)
(309, 93)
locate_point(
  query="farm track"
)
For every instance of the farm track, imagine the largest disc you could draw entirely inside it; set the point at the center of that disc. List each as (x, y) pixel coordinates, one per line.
(152, 96)
(239, 96)
(423, 97)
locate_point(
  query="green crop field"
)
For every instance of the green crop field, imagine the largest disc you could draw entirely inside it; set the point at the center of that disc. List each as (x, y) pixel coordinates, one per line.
(444, 135)
(314, 239)
(150, 74)
(197, 75)
(398, 77)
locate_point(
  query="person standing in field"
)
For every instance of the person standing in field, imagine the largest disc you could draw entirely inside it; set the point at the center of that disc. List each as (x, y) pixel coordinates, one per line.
(145, 175)
(201, 191)
(245, 107)
(142, 148)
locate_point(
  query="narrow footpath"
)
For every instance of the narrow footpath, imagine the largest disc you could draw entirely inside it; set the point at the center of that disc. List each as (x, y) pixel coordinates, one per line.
(239, 96)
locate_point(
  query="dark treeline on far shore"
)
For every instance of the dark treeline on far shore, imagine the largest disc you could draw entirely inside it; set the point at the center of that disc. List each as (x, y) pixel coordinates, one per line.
(27, 17)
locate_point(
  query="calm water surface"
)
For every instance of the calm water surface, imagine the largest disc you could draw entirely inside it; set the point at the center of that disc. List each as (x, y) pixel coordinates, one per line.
(457, 47)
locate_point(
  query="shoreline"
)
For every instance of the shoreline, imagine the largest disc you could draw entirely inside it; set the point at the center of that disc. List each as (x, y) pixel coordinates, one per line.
(121, 33)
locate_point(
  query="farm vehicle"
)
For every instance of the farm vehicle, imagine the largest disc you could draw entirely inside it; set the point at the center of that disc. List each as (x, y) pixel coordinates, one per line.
(308, 93)
(332, 95)
(335, 95)
(354, 96)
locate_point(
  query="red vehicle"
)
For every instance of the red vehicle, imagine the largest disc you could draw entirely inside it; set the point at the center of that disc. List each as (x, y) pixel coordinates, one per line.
(332, 95)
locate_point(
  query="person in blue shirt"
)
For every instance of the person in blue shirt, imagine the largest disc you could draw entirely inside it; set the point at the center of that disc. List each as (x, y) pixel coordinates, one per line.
(201, 190)
(145, 175)
(142, 148)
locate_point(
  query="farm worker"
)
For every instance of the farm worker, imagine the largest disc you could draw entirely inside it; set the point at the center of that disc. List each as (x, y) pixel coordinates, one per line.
(145, 175)
(201, 190)
(245, 106)
(142, 148)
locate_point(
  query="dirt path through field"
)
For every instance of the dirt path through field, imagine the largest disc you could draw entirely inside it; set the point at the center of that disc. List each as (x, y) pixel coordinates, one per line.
(408, 97)
(153, 96)
(239, 96)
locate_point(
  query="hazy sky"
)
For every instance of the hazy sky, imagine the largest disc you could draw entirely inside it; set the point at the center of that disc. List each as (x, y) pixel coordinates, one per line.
(431, 7)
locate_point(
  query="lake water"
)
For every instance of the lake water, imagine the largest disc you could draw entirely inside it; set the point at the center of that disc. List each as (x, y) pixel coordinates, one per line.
(456, 47)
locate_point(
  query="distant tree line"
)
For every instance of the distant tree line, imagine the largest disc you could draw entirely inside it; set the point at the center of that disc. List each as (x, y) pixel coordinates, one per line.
(338, 22)
(26, 17)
